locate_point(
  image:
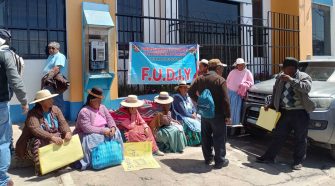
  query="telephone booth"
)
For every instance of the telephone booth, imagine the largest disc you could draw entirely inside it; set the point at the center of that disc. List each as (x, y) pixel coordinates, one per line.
(97, 25)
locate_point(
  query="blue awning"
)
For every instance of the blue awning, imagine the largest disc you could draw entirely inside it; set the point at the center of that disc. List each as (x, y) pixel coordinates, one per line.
(324, 2)
(97, 14)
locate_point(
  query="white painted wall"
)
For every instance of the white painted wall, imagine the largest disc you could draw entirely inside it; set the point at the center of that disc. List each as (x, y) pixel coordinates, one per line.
(246, 18)
(158, 30)
(32, 75)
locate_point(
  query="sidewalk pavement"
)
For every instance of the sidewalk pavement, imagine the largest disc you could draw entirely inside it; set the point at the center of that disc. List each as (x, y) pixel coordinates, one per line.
(188, 168)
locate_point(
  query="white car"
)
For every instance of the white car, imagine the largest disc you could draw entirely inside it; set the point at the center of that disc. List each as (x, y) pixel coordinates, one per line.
(322, 124)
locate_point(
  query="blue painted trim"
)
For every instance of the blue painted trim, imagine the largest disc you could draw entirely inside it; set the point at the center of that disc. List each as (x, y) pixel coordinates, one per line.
(71, 108)
(97, 14)
(95, 6)
(324, 2)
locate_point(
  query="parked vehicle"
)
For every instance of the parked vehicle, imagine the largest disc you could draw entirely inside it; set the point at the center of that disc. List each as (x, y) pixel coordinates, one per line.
(322, 125)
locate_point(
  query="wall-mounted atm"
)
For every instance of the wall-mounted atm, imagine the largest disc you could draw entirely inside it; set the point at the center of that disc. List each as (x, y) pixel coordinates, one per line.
(97, 25)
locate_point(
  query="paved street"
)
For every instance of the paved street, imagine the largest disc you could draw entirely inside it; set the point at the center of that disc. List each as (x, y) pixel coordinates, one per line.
(188, 169)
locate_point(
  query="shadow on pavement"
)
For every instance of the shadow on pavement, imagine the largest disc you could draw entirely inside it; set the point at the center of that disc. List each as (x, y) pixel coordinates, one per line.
(29, 173)
(184, 166)
(317, 157)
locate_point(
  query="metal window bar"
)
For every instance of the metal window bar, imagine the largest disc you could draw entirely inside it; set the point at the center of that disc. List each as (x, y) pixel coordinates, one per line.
(226, 41)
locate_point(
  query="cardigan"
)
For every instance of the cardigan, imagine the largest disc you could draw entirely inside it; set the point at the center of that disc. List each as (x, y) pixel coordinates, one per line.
(86, 118)
(32, 127)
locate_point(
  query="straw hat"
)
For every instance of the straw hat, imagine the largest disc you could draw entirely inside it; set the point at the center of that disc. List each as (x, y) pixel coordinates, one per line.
(163, 98)
(239, 61)
(180, 84)
(132, 101)
(43, 95)
(214, 62)
(96, 92)
(204, 61)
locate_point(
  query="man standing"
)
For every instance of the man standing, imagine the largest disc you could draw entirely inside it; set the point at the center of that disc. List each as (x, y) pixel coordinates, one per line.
(213, 131)
(10, 81)
(290, 97)
(56, 62)
(220, 68)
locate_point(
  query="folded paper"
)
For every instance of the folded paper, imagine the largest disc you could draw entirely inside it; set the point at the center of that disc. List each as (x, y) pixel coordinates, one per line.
(138, 155)
(53, 157)
(268, 119)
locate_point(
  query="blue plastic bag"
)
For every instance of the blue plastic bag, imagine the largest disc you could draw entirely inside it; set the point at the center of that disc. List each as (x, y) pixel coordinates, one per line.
(107, 154)
(205, 105)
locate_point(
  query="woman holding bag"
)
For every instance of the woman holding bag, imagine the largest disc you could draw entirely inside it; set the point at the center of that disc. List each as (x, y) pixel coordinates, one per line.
(95, 125)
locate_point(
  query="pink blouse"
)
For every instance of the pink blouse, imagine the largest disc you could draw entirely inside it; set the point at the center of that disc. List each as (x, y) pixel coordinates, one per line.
(135, 119)
(240, 81)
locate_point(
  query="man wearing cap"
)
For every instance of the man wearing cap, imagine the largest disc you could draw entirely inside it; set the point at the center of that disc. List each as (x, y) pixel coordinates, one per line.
(10, 81)
(213, 131)
(203, 67)
(290, 97)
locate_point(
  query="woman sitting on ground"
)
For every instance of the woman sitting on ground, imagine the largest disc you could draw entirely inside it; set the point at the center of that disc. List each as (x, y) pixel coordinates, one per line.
(45, 124)
(94, 124)
(169, 133)
(183, 110)
(132, 124)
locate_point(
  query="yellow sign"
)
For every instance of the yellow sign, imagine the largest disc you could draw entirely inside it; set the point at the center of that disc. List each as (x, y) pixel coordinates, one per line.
(138, 155)
(53, 157)
(268, 119)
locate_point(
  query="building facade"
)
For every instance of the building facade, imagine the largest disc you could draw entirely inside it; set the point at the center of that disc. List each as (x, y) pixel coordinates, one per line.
(261, 31)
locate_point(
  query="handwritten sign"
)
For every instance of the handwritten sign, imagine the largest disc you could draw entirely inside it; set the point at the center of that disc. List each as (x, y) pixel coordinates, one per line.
(138, 155)
(162, 64)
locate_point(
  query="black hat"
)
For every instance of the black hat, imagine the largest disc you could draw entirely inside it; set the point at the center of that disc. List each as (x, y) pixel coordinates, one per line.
(5, 34)
(96, 92)
(290, 61)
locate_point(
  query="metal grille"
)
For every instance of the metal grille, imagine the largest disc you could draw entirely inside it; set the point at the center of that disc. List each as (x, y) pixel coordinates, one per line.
(226, 41)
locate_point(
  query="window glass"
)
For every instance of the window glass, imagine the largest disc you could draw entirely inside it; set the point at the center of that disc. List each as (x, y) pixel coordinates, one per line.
(319, 71)
(2, 13)
(33, 14)
(321, 30)
(42, 13)
(19, 41)
(60, 14)
(30, 22)
(210, 10)
(17, 13)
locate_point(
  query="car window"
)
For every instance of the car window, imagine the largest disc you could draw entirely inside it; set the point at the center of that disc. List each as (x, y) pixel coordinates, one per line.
(319, 71)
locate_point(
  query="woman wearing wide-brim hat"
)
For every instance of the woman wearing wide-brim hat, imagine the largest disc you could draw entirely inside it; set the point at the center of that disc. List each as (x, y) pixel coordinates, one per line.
(94, 125)
(45, 124)
(133, 125)
(184, 111)
(169, 132)
(239, 81)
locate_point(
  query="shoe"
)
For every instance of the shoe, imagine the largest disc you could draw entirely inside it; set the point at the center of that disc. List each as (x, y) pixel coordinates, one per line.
(221, 165)
(261, 159)
(159, 153)
(297, 166)
(209, 162)
(76, 165)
